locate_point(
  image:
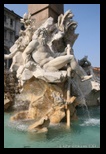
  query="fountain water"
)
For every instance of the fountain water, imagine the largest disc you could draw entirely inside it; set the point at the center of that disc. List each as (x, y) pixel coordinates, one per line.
(87, 110)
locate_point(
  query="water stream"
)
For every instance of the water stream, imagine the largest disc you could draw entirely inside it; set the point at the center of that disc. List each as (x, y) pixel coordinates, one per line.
(85, 109)
(84, 133)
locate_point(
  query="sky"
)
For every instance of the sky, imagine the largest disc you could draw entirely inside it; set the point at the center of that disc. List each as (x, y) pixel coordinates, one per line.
(88, 18)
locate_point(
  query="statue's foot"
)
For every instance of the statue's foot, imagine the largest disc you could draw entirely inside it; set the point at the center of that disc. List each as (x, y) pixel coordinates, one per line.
(87, 77)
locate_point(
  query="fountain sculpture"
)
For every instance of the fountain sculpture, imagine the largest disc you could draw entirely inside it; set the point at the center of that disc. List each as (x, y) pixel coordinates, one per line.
(39, 75)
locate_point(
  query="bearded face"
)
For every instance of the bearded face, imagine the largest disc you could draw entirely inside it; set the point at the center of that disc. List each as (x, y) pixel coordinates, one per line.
(42, 38)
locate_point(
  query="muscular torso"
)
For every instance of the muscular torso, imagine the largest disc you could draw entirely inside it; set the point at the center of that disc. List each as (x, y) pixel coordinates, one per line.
(42, 54)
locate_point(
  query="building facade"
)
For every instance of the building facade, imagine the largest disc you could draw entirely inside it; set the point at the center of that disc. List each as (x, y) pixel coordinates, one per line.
(12, 27)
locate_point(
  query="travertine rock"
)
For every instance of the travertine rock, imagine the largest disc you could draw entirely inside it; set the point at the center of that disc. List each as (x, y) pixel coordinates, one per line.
(40, 126)
(44, 99)
(7, 103)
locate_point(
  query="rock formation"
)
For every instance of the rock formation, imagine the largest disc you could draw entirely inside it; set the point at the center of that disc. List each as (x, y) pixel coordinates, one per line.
(10, 88)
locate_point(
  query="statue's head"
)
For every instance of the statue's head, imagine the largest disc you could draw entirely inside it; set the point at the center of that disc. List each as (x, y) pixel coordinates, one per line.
(25, 16)
(42, 35)
(42, 32)
(85, 58)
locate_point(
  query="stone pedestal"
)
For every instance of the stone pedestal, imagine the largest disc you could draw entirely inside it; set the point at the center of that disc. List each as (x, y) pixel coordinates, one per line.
(40, 12)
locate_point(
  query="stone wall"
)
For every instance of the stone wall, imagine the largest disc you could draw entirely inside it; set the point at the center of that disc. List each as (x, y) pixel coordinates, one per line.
(10, 88)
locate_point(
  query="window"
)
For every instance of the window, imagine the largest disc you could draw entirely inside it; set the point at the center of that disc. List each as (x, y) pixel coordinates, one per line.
(11, 36)
(5, 34)
(5, 18)
(11, 22)
(7, 62)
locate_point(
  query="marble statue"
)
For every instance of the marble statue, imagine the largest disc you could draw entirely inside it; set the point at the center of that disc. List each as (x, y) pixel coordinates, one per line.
(25, 36)
(49, 61)
(84, 62)
(38, 48)
(9, 56)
